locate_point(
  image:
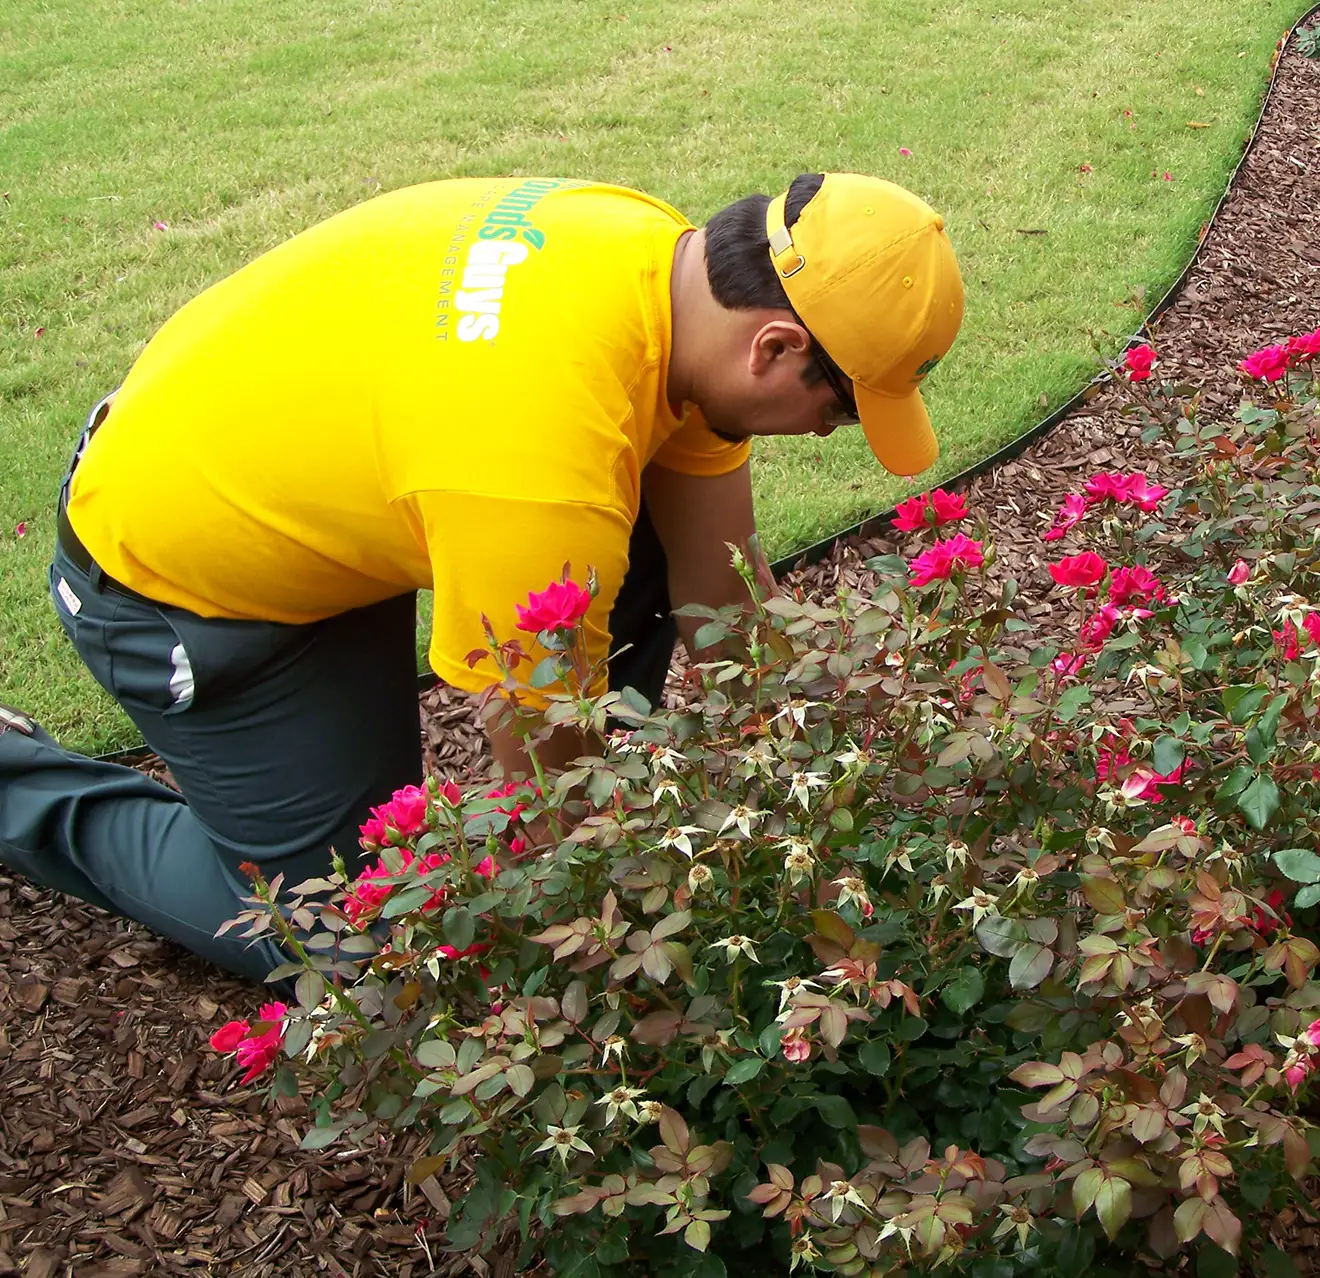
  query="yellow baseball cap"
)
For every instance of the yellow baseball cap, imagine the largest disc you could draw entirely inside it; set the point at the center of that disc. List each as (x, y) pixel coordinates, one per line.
(869, 270)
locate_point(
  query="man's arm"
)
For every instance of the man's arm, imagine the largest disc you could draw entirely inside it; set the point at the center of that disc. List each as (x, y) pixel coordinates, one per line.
(694, 516)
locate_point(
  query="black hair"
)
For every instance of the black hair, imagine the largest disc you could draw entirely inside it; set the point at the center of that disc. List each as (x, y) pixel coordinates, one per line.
(742, 276)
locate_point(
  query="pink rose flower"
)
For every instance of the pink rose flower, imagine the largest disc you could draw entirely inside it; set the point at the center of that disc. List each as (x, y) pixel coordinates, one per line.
(1312, 1033)
(408, 810)
(1070, 513)
(1130, 489)
(1296, 1073)
(945, 557)
(937, 509)
(256, 1051)
(1286, 641)
(1079, 570)
(1134, 585)
(560, 606)
(1144, 495)
(1144, 782)
(227, 1038)
(451, 794)
(1267, 364)
(1068, 663)
(1098, 628)
(1267, 924)
(1304, 346)
(449, 952)
(1139, 361)
(795, 1045)
(1185, 824)
(1239, 573)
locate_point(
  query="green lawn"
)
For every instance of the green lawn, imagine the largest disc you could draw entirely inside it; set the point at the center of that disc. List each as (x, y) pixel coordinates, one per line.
(238, 123)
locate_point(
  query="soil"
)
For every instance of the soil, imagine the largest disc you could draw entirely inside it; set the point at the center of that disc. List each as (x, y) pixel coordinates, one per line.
(126, 1146)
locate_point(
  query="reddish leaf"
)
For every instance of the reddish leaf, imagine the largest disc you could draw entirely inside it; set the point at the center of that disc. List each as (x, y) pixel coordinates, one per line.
(674, 1131)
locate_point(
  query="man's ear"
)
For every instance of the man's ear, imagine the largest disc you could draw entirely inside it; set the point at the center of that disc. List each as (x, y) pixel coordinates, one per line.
(775, 341)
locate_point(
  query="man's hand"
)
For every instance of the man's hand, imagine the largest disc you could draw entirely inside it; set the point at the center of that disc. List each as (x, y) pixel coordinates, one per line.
(694, 517)
(554, 755)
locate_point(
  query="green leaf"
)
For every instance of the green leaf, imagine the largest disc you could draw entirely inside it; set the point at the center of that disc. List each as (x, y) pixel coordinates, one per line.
(835, 1110)
(1113, 1205)
(409, 899)
(1031, 965)
(436, 1053)
(1300, 864)
(744, 1071)
(1259, 802)
(1196, 652)
(1257, 746)
(1169, 754)
(460, 927)
(1269, 721)
(320, 1137)
(1274, 1263)
(769, 1039)
(711, 633)
(546, 672)
(631, 697)
(1234, 783)
(1000, 936)
(875, 1057)
(310, 989)
(965, 991)
(910, 1028)
(1242, 700)
(1215, 1262)
(1307, 896)
(1071, 702)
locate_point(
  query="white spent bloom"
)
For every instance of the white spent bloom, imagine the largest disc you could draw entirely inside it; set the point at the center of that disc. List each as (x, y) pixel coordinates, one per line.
(735, 945)
(742, 816)
(802, 785)
(677, 837)
(563, 1140)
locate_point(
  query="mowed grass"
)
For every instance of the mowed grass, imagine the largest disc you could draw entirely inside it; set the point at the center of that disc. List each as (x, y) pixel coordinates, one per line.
(237, 123)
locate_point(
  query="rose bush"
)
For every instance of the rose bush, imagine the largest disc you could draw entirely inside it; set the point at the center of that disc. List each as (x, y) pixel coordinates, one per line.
(916, 939)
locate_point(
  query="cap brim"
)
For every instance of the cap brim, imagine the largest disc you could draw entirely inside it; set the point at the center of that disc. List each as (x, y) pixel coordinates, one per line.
(898, 430)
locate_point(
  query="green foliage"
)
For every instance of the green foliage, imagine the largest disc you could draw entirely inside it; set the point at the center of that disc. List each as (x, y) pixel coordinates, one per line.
(869, 958)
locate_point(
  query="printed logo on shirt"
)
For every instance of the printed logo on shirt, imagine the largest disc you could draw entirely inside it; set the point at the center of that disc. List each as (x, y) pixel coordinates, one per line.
(505, 239)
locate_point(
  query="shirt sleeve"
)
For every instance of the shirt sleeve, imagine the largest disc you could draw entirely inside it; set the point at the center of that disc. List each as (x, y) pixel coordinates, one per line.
(695, 449)
(488, 553)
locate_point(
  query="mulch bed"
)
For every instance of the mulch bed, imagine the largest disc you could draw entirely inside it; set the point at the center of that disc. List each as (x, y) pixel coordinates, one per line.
(126, 1146)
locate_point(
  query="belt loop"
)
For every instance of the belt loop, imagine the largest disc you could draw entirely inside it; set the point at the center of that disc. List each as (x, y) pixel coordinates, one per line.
(96, 576)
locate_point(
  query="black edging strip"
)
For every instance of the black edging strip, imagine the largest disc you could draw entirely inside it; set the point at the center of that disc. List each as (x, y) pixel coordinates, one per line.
(873, 523)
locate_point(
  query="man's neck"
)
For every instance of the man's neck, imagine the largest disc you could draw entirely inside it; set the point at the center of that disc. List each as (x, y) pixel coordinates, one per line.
(687, 284)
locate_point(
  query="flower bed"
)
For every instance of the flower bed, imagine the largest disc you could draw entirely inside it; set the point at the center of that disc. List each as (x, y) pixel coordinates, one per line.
(911, 940)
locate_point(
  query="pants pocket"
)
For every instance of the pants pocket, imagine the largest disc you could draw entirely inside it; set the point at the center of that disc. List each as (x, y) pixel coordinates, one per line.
(150, 668)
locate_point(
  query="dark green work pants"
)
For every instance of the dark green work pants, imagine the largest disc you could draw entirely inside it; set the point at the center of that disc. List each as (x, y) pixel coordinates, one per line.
(280, 737)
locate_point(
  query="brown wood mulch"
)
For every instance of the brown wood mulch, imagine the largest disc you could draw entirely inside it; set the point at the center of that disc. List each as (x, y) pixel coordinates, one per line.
(126, 1146)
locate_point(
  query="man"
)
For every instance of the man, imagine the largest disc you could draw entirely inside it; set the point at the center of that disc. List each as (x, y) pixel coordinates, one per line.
(460, 387)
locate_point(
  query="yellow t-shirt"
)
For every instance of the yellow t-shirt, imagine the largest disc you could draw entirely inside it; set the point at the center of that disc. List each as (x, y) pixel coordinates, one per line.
(455, 386)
